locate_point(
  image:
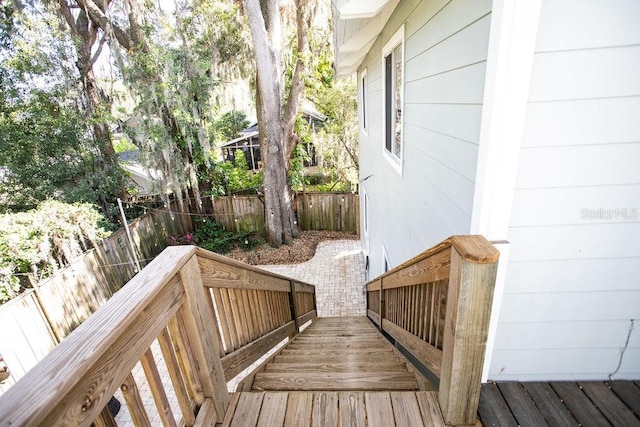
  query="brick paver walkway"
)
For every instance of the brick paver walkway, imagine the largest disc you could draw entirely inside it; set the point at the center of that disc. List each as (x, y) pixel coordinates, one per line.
(337, 271)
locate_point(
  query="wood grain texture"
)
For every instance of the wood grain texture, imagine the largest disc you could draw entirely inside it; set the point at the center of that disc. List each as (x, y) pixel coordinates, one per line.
(240, 359)
(629, 393)
(83, 372)
(310, 381)
(247, 410)
(231, 409)
(493, 410)
(579, 404)
(469, 301)
(299, 409)
(173, 368)
(609, 404)
(522, 405)
(325, 410)
(426, 270)
(425, 352)
(430, 408)
(274, 407)
(549, 404)
(198, 316)
(134, 402)
(379, 409)
(352, 409)
(406, 411)
(157, 389)
(206, 415)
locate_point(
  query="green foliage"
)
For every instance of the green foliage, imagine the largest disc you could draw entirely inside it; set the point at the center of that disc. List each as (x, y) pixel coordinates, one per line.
(40, 241)
(230, 125)
(297, 169)
(123, 145)
(212, 236)
(230, 178)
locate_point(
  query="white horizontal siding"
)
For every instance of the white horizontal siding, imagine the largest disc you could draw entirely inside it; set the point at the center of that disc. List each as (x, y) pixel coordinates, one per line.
(587, 24)
(573, 282)
(575, 275)
(613, 120)
(563, 364)
(582, 206)
(445, 54)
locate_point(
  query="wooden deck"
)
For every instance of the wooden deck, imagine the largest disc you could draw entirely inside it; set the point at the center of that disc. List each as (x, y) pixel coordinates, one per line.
(614, 403)
(339, 354)
(386, 409)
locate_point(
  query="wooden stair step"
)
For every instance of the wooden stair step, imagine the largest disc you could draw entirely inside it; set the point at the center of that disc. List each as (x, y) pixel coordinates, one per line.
(321, 368)
(337, 352)
(342, 358)
(336, 345)
(311, 381)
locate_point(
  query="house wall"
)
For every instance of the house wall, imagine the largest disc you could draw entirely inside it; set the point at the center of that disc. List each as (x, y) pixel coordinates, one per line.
(445, 61)
(572, 294)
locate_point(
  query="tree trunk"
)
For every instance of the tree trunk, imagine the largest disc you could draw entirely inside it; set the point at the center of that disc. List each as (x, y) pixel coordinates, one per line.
(276, 123)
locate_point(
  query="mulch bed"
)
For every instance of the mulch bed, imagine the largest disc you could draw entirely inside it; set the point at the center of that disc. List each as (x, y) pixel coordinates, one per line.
(302, 250)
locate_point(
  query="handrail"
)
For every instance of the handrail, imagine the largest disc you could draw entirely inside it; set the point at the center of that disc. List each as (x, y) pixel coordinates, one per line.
(175, 299)
(437, 306)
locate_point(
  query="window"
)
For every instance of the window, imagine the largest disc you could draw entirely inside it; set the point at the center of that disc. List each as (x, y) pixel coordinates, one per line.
(363, 98)
(365, 218)
(393, 72)
(386, 265)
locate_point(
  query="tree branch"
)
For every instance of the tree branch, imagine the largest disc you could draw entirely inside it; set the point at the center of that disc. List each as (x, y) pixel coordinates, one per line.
(303, 20)
(99, 18)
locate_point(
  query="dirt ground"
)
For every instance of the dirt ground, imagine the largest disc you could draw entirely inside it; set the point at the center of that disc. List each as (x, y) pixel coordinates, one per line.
(302, 250)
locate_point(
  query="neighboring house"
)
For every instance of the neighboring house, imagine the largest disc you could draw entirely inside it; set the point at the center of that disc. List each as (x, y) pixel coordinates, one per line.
(518, 120)
(249, 141)
(141, 178)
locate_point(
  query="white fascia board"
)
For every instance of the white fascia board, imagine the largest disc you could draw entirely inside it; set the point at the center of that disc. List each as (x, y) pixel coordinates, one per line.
(370, 31)
(361, 9)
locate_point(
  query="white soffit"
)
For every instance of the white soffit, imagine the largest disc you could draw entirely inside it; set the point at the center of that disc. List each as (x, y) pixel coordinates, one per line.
(357, 25)
(358, 9)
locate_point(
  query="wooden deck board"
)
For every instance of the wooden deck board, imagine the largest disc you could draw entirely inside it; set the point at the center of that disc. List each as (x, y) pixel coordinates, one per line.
(352, 409)
(335, 381)
(550, 405)
(522, 406)
(593, 403)
(322, 409)
(579, 404)
(379, 409)
(406, 410)
(629, 393)
(609, 404)
(274, 407)
(493, 409)
(325, 410)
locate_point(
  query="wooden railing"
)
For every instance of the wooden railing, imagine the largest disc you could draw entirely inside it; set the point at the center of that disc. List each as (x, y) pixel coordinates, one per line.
(437, 306)
(212, 317)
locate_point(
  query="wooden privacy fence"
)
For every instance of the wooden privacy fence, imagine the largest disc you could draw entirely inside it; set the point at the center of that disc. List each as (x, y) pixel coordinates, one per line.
(315, 211)
(36, 321)
(212, 318)
(437, 306)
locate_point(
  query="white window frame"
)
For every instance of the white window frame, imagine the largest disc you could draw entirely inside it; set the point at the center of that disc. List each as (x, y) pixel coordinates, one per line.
(394, 41)
(364, 98)
(386, 265)
(365, 207)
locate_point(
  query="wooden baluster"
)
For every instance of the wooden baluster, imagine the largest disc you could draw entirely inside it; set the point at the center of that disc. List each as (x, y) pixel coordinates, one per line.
(293, 301)
(185, 358)
(157, 389)
(176, 377)
(134, 402)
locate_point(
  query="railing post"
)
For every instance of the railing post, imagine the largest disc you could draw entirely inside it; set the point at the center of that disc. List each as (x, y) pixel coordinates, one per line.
(382, 303)
(204, 337)
(293, 303)
(469, 300)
